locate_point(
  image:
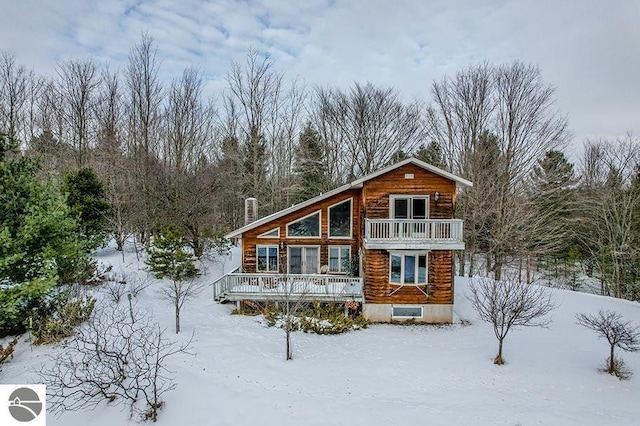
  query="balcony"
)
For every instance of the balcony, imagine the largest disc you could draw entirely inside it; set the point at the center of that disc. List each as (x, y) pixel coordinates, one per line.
(236, 286)
(414, 234)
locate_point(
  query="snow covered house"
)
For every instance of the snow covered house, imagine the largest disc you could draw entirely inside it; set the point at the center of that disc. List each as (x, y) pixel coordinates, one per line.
(385, 240)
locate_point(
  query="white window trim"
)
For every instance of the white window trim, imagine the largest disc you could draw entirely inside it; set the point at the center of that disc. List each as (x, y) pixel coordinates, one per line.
(303, 257)
(392, 198)
(350, 220)
(277, 257)
(340, 249)
(264, 234)
(402, 254)
(302, 218)
(407, 306)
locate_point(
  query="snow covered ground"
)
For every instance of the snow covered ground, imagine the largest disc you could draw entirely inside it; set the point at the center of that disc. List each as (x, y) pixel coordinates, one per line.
(383, 375)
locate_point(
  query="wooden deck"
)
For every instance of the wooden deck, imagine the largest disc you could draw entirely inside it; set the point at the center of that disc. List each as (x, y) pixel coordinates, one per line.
(236, 286)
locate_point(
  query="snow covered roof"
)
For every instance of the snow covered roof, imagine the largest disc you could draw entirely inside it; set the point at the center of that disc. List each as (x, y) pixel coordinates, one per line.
(353, 185)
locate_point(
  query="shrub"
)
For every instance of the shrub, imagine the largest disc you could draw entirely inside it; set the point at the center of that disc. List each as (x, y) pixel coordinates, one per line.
(5, 353)
(320, 318)
(61, 323)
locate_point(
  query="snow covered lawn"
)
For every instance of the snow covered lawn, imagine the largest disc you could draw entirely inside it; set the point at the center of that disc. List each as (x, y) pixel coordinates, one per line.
(384, 375)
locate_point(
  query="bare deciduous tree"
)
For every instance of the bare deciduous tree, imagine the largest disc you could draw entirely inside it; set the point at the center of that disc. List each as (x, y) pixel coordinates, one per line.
(510, 107)
(14, 93)
(608, 204)
(113, 360)
(188, 122)
(619, 333)
(510, 304)
(177, 292)
(289, 294)
(143, 110)
(251, 104)
(368, 126)
(79, 81)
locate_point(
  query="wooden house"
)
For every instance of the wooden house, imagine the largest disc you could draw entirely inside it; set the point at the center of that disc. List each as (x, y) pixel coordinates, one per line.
(385, 240)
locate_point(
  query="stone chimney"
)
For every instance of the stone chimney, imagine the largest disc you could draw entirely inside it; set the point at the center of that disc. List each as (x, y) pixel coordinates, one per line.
(250, 210)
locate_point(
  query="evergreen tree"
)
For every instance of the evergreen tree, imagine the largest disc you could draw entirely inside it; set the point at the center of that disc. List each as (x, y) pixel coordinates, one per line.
(552, 194)
(254, 165)
(168, 257)
(431, 154)
(311, 168)
(39, 243)
(86, 199)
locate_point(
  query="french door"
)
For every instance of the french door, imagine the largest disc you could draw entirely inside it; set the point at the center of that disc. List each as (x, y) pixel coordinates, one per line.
(304, 259)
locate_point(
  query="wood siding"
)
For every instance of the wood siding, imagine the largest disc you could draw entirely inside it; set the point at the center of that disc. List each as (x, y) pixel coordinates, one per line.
(375, 200)
(372, 201)
(377, 287)
(250, 238)
(376, 192)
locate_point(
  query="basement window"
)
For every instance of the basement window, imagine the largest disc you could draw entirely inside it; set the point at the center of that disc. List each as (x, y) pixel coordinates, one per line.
(406, 312)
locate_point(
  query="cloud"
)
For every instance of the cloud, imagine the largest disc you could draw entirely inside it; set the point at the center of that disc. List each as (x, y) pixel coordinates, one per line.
(588, 49)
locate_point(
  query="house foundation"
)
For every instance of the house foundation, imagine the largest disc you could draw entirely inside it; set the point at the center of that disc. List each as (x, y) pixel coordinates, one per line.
(387, 312)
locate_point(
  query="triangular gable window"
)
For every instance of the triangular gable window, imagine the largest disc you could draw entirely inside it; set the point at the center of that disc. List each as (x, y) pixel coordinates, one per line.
(274, 233)
(306, 227)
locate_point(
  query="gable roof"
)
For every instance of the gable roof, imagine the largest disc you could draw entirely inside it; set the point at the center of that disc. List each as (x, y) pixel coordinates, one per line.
(353, 185)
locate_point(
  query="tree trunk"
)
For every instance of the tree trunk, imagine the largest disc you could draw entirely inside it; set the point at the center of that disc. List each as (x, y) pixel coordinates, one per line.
(497, 268)
(288, 337)
(472, 257)
(498, 360)
(461, 264)
(528, 269)
(177, 320)
(520, 269)
(612, 368)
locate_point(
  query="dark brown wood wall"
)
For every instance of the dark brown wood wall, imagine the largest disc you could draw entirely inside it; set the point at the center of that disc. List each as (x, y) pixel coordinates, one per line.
(376, 192)
(250, 238)
(372, 201)
(375, 205)
(377, 287)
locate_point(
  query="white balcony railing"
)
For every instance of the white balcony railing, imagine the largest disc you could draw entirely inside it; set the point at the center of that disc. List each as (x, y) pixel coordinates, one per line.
(433, 233)
(241, 286)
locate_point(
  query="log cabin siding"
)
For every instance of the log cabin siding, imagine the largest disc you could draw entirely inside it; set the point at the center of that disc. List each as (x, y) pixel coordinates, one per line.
(372, 201)
(250, 238)
(376, 195)
(376, 192)
(377, 286)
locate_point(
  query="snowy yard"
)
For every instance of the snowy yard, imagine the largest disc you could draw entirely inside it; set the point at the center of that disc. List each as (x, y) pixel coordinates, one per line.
(383, 375)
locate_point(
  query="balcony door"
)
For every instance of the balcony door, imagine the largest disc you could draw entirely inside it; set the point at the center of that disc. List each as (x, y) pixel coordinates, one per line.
(304, 259)
(409, 207)
(406, 207)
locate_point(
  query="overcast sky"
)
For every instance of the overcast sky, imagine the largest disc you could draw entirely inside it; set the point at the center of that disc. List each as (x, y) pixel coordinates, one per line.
(589, 50)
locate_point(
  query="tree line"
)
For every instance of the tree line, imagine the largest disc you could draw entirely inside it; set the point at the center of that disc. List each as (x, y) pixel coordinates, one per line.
(167, 154)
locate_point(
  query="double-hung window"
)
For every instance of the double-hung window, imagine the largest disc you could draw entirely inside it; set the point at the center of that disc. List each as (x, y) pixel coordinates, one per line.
(267, 258)
(339, 259)
(408, 268)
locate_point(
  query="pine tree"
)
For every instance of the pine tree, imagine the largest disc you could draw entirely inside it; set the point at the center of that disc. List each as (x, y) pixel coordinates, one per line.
(168, 257)
(431, 154)
(552, 194)
(86, 198)
(311, 168)
(40, 247)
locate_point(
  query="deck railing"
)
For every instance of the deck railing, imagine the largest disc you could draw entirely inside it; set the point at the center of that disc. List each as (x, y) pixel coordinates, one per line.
(274, 286)
(432, 230)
